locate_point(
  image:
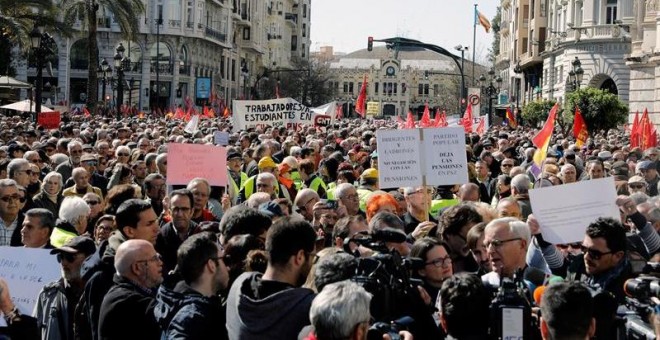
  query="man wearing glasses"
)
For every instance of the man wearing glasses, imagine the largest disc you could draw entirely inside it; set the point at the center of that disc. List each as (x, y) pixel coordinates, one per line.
(10, 217)
(75, 153)
(57, 299)
(127, 308)
(418, 206)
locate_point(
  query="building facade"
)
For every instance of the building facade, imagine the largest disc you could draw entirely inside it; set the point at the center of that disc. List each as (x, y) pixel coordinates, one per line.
(182, 45)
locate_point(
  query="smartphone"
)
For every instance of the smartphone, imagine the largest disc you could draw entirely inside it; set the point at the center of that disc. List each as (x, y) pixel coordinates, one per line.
(330, 204)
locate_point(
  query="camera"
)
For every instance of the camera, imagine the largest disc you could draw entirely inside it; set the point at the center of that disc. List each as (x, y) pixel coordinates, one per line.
(642, 297)
(378, 329)
(330, 204)
(511, 311)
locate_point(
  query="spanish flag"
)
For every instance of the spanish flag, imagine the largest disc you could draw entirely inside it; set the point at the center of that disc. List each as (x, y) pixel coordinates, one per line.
(482, 19)
(511, 119)
(580, 131)
(542, 139)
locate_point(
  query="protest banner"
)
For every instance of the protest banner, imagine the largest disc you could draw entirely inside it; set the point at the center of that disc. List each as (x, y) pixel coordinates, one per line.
(188, 161)
(221, 138)
(414, 157)
(399, 163)
(373, 108)
(565, 211)
(275, 112)
(444, 156)
(49, 120)
(26, 271)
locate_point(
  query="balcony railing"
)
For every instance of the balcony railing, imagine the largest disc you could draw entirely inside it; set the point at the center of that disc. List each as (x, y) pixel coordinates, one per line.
(184, 70)
(217, 35)
(175, 23)
(190, 24)
(162, 68)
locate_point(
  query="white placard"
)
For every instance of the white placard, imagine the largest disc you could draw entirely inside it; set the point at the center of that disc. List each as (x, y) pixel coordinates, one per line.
(221, 138)
(399, 163)
(275, 112)
(565, 211)
(26, 271)
(512, 323)
(445, 160)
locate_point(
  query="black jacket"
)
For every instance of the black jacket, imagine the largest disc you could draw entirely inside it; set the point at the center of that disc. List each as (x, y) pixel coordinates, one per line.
(127, 313)
(168, 243)
(42, 201)
(16, 235)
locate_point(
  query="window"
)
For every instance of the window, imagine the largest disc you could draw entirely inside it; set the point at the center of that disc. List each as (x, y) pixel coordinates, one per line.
(426, 89)
(294, 43)
(395, 87)
(610, 11)
(420, 89)
(233, 70)
(304, 11)
(345, 87)
(304, 30)
(350, 87)
(222, 67)
(403, 88)
(376, 87)
(435, 90)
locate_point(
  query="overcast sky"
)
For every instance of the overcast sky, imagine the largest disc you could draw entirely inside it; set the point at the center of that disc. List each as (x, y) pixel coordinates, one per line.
(346, 24)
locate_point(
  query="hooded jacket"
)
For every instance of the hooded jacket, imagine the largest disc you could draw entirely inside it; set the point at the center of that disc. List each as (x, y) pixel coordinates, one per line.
(278, 316)
(183, 313)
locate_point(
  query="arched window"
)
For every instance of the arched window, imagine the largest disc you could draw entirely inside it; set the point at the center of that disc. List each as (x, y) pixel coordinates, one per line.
(79, 56)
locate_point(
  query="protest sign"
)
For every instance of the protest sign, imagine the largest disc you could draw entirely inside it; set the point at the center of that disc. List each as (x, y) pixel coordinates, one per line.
(275, 112)
(26, 271)
(565, 211)
(221, 138)
(50, 120)
(445, 160)
(188, 161)
(399, 163)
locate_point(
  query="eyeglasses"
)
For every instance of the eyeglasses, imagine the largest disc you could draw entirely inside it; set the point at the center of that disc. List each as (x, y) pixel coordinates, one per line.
(92, 202)
(28, 171)
(76, 152)
(68, 257)
(122, 154)
(35, 161)
(6, 199)
(155, 258)
(637, 186)
(354, 197)
(440, 262)
(498, 243)
(593, 253)
(507, 165)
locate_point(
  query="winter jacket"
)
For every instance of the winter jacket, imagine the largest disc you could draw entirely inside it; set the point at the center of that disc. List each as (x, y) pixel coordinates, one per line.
(168, 243)
(52, 311)
(42, 201)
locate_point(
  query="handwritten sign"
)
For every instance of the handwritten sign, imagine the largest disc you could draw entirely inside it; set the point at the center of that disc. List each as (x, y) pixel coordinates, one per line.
(565, 211)
(50, 120)
(444, 156)
(276, 112)
(399, 163)
(26, 271)
(221, 138)
(188, 161)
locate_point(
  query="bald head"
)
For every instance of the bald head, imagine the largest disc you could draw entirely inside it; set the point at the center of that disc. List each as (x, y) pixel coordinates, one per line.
(137, 260)
(468, 192)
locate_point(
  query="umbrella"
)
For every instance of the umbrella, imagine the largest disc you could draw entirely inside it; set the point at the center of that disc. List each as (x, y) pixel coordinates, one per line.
(11, 83)
(24, 106)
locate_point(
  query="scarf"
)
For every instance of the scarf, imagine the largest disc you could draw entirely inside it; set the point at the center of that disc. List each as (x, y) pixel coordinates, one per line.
(284, 169)
(53, 198)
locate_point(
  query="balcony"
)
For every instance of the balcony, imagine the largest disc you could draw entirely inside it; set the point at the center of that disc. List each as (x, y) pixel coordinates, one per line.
(162, 68)
(215, 35)
(190, 24)
(502, 59)
(174, 23)
(291, 18)
(184, 70)
(528, 60)
(103, 22)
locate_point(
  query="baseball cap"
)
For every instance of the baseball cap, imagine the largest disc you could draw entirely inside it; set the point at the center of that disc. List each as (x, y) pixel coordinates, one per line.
(88, 157)
(645, 165)
(370, 173)
(636, 179)
(78, 244)
(604, 155)
(233, 154)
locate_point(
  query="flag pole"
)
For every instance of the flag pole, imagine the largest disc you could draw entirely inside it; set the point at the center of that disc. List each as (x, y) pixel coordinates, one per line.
(474, 41)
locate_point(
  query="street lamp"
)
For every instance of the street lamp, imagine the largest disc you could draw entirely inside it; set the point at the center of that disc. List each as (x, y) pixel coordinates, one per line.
(104, 72)
(462, 96)
(518, 70)
(490, 90)
(41, 45)
(575, 75)
(121, 62)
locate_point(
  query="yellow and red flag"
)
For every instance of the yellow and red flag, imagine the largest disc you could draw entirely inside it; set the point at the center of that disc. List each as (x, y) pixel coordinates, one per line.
(542, 139)
(511, 118)
(361, 103)
(580, 131)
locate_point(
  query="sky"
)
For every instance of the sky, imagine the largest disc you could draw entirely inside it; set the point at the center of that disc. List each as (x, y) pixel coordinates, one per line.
(346, 24)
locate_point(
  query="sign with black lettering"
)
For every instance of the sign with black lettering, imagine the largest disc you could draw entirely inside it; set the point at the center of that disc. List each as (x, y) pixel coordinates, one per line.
(399, 163)
(445, 157)
(275, 112)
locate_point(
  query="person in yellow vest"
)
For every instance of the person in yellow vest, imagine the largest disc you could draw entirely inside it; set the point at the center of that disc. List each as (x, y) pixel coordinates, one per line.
(72, 220)
(266, 164)
(236, 178)
(81, 187)
(328, 172)
(368, 184)
(292, 162)
(310, 179)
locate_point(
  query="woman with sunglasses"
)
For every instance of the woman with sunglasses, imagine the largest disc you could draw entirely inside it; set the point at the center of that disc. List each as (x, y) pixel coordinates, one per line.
(50, 195)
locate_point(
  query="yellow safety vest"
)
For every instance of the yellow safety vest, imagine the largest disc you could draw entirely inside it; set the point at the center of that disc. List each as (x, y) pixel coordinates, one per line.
(437, 205)
(330, 192)
(232, 183)
(316, 183)
(364, 195)
(60, 237)
(249, 187)
(297, 181)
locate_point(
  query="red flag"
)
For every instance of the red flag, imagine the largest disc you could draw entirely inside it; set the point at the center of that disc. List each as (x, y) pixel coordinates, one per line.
(634, 132)
(646, 131)
(438, 119)
(360, 105)
(226, 113)
(580, 131)
(511, 118)
(410, 121)
(86, 112)
(481, 128)
(466, 121)
(178, 114)
(339, 112)
(400, 122)
(426, 117)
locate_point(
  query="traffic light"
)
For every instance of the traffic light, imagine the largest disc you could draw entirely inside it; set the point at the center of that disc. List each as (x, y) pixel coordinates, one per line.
(370, 43)
(426, 74)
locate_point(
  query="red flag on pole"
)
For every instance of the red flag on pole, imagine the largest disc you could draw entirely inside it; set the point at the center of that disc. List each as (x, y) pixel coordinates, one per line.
(634, 132)
(426, 117)
(410, 121)
(580, 131)
(646, 131)
(339, 112)
(86, 112)
(467, 119)
(400, 122)
(481, 128)
(511, 118)
(360, 105)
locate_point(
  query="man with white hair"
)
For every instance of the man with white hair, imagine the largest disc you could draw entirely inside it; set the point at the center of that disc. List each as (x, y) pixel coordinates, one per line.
(341, 311)
(506, 240)
(568, 173)
(347, 194)
(161, 163)
(81, 184)
(75, 151)
(418, 207)
(72, 221)
(266, 182)
(127, 308)
(520, 185)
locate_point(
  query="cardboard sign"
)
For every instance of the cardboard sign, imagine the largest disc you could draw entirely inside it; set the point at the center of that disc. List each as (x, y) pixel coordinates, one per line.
(399, 163)
(565, 211)
(50, 120)
(276, 112)
(26, 271)
(188, 161)
(221, 138)
(445, 157)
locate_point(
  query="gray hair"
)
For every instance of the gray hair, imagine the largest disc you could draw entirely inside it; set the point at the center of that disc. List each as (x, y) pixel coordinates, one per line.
(256, 199)
(15, 165)
(566, 167)
(338, 308)
(193, 183)
(161, 158)
(73, 143)
(384, 220)
(58, 159)
(341, 189)
(122, 148)
(521, 183)
(31, 153)
(49, 176)
(150, 158)
(267, 176)
(639, 197)
(72, 208)
(295, 151)
(7, 182)
(516, 227)
(46, 218)
(77, 171)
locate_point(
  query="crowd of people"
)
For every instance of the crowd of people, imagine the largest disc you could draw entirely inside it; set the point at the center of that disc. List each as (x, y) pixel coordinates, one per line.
(272, 255)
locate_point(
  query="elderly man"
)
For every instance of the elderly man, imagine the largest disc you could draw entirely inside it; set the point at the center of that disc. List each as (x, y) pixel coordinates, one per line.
(468, 192)
(82, 186)
(646, 169)
(237, 178)
(418, 206)
(72, 221)
(341, 311)
(54, 306)
(637, 184)
(310, 180)
(487, 185)
(201, 190)
(154, 189)
(75, 151)
(348, 196)
(19, 170)
(161, 163)
(173, 233)
(127, 308)
(507, 164)
(90, 163)
(37, 227)
(304, 203)
(568, 173)
(265, 165)
(11, 219)
(506, 241)
(267, 183)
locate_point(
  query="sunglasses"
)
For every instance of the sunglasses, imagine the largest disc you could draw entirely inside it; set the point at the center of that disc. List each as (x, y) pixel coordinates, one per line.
(28, 171)
(6, 199)
(637, 186)
(507, 165)
(593, 253)
(122, 154)
(92, 202)
(68, 257)
(91, 163)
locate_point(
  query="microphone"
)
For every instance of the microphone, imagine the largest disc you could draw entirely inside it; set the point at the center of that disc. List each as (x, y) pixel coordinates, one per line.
(538, 293)
(388, 235)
